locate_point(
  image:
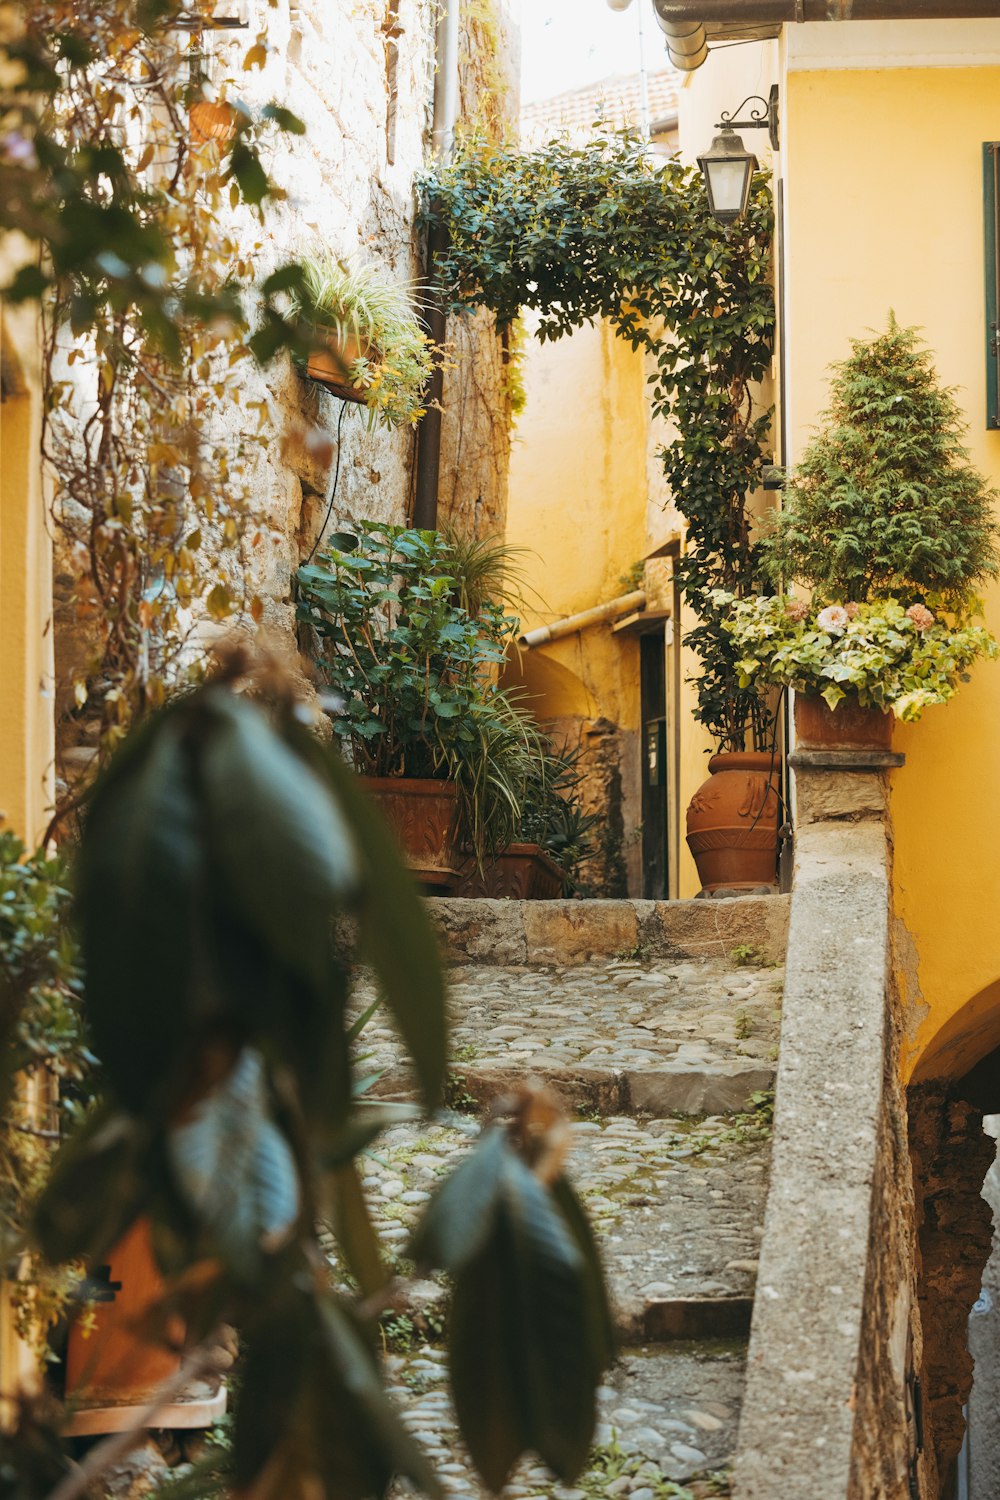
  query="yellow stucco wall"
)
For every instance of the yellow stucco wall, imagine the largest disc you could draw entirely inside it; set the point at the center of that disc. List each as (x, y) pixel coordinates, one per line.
(577, 505)
(26, 713)
(883, 184)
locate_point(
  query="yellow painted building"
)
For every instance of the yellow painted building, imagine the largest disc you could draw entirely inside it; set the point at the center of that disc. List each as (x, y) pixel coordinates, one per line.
(879, 188)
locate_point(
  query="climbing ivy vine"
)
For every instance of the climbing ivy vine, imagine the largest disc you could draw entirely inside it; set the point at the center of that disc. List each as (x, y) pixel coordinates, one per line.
(606, 231)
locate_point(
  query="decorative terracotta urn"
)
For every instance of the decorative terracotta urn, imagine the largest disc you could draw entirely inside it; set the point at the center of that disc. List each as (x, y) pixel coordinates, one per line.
(423, 815)
(732, 822)
(846, 727)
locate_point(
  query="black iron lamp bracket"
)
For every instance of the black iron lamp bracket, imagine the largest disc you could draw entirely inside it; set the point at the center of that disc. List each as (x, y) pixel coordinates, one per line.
(760, 119)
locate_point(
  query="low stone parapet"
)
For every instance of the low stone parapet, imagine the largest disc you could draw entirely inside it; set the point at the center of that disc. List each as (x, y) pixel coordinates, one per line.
(577, 932)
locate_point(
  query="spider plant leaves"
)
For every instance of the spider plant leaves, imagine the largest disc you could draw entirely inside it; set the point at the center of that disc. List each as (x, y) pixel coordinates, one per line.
(235, 1169)
(141, 874)
(313, 1417)
(97, 1187)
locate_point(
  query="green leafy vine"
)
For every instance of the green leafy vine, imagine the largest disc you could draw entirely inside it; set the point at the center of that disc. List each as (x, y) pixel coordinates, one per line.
(605, 231)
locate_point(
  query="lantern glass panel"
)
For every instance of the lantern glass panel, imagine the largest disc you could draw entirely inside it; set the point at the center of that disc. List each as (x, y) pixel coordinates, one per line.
(727, 181)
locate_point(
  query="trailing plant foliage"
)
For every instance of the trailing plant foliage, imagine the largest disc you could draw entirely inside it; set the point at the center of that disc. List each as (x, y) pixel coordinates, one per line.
(42, 1038)
(604, 231)
(151, 302)
(409, 665)
(882, 653)
(217, 989)
(885, 501)
(393, 357)
(414, 671)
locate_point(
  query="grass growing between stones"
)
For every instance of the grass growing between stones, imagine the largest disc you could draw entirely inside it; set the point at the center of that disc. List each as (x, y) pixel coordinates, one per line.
(612, 1472)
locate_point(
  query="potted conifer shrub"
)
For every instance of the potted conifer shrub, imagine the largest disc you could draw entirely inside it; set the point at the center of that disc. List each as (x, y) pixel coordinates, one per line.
(891, 529)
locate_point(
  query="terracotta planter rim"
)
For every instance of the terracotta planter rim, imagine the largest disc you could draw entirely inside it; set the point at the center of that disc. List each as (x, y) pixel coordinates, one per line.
(744, 760)
(418, 784)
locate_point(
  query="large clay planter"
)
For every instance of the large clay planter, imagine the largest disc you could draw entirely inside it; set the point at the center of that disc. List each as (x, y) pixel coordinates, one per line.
(423, 814)
(846, 727)
(732, 822)
(331, 367)
(113, 1368)
(523, 872)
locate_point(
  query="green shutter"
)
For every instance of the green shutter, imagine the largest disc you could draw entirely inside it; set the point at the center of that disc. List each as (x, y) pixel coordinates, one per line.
(991, 212)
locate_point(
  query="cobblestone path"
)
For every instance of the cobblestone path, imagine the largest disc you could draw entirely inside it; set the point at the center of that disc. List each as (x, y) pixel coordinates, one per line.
(642, 1047)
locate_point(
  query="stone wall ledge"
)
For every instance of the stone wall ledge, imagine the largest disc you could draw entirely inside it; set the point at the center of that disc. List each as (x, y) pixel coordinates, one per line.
(577, 932)
(823, 1416)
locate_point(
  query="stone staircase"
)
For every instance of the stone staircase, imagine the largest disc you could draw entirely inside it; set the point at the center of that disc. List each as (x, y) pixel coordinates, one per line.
(657, 1023)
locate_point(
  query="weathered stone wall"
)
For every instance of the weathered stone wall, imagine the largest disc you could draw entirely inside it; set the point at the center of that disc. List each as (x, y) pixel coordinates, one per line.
(951, 1156)
(362, 79)
(836, 1339)
(984, 1346)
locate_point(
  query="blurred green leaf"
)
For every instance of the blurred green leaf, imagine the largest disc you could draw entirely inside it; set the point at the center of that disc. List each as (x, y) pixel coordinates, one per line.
(99, 1184)
(234, 1167)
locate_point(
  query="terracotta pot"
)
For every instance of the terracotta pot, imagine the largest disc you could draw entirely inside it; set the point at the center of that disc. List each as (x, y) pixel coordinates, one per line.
(732, 822)
(209, 121)
(423, 814)
(113, 1368)
(331, 367)
(523, 872)
(846, 727)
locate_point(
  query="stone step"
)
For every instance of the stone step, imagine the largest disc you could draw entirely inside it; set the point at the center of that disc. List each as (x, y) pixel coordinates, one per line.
(677, 1208)
(515, 933)
(615, 1035)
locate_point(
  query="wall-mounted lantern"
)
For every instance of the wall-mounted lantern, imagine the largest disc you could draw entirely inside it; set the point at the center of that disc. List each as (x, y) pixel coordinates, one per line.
(728, 167)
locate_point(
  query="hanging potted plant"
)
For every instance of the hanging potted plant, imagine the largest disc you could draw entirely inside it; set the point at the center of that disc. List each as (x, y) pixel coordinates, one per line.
(891, 529)
(369, 344)
(413, 679)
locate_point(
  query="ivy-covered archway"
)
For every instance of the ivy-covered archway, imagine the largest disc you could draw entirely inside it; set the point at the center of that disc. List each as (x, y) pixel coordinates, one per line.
(607, 231)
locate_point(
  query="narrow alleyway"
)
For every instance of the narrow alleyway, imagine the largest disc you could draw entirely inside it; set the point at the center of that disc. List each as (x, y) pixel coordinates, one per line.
(657, 1048)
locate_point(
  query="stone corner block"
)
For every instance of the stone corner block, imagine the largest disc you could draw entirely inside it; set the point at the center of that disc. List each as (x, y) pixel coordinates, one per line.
(825, 795)
(479, 930)
(571, 932)
(712, 928)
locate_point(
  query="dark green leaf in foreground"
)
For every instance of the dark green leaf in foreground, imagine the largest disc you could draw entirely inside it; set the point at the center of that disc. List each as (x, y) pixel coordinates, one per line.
(140, 879)
(526, 1349)
(462, 1214)
(396, 936)
(313, 1416)
(235, 1169)
(277, 839)
(98, 1186)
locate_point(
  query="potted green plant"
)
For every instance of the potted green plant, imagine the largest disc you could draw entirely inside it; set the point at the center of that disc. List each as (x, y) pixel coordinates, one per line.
(890, 527)
(413, 681)
(537, 830)
(370, 346)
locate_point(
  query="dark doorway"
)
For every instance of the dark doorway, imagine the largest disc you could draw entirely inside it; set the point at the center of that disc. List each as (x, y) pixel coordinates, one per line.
(653, 699)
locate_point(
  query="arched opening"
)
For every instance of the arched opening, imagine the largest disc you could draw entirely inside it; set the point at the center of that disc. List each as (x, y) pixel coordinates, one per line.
(954, 1123)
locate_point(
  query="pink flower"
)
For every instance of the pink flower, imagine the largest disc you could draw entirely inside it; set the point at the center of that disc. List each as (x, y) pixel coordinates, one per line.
(833, 619)
(853, 609)
(921, 616)
(795, 610)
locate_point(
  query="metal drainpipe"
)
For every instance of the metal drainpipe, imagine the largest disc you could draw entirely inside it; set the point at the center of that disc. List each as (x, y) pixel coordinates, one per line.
(425, 494)
(625, 604)
(686, 40)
